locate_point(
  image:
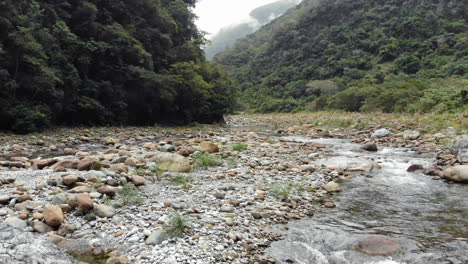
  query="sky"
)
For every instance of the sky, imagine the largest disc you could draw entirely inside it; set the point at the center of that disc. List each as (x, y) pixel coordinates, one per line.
(216, 14)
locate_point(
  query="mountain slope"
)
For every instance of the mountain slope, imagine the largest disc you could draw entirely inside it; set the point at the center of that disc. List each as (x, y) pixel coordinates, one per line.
(105, 62)
(258, 17)
(355, 55)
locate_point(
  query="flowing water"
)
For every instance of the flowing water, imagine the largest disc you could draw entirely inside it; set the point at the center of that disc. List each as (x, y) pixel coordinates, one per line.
(428, 218)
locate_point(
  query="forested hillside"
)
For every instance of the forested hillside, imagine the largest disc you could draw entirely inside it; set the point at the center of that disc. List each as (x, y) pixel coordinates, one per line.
(260, 16)
(356, 55)
(105, 62)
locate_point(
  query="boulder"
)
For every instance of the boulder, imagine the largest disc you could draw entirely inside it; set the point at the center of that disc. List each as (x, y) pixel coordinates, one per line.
(347, 163)
(89, 163)
(370, 147)
(16, 222)
(157, 237)
(378, 245)
(207, 146)
(41, 227)
(66, 163)
(411, 134)
(461, 150)
(380, 133)
(138, 180)
(415, 167)
(332, 187)
(85, 203)
(109, 191)
(70, 179)
(172, 162)
(39, 164)
(53, 215)
(103, 210)
(457, 173)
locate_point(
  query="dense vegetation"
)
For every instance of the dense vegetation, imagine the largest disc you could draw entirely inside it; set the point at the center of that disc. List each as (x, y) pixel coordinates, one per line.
(356, 55)
(260, 16)
(105, 62)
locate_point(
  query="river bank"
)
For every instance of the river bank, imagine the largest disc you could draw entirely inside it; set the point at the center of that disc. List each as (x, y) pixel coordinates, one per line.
(235, 185)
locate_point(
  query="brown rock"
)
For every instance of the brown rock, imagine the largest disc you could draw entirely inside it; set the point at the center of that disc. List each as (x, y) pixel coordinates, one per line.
(207, 146)
(66, 229)
(378, 245)
(119, 233)
(53, 215)
(186, 152)
(70, 179)
(117, 260)
(119, 168)
(41, 227)
(370, 147)
(109, 191)
(23, 198)
(66, 163)
(38, 164)
(38, 216)
(89, 164)
(138, 180)
(415, 167)
(85, 203)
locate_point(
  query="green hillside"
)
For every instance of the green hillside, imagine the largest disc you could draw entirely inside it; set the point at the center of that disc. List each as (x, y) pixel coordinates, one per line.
(356, 55)
(105, 62)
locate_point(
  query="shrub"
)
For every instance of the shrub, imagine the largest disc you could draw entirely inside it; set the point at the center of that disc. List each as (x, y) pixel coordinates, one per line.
(239, 146)
(204, 160)
(129, 195)
(177, 224)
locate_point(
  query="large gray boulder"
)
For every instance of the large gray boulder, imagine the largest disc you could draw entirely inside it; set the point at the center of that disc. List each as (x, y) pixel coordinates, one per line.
(172, 162)
(380, 133)
(18, 247)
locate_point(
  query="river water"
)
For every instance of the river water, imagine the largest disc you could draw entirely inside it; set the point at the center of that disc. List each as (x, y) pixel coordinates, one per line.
(428, 218)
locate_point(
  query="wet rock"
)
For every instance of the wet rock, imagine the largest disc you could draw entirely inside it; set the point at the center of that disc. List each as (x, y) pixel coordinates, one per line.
(411, 134)
(346, 163)
(370, 147)
(207, 146)
(85, 203)
(461, 150)
(41, 227)
(415, 167)
(53, 215)
(172, 162)
(16, 222)
(457, 174)
(103, 210)
(380, 133)
(156, 238)
(378, 245)
(332, 187)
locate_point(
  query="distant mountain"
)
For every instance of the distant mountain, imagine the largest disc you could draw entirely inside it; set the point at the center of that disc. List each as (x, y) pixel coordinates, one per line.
(257, 18)
(356, 55)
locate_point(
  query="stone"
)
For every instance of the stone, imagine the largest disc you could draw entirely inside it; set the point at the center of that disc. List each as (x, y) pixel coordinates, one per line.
(207, 146)
(117, 260)
(3, 212)
(119, 168)
(131, 161)
(461, 150)
(156, 238)
(41, 227)
(38, 216)
(172, 162)
(457, 173)
(370, 147)
(66, 163)
(29, 205)
(111, 141)
(378, 245)
(66, 229)
(415, 167)
(347, 163)
(85, 203)
(138, 180)
(70, 179)
(16, 222)
(24, 247)
(226, 208)
(332, 187)
(380, 133)
(81, 189)
(89, 163)
(53, 215)
(411, 134)
(103, 210)
(109, 191)
(23, 198)
(4, 199)
(40, 164)
(69, 151)
(219, 195)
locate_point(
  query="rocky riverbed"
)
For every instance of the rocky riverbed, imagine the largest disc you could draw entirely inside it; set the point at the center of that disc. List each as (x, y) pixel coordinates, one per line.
(190, 195)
